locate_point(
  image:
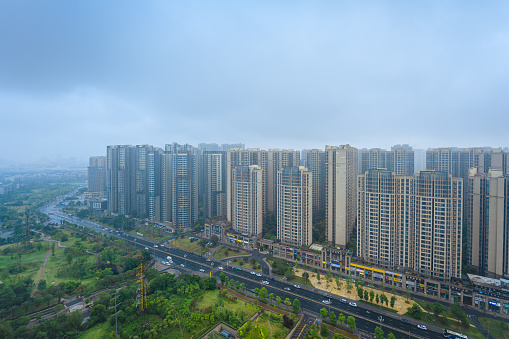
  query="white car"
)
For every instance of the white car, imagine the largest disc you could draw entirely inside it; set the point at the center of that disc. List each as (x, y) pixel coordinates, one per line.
(265, 282)
(258, 275)
(253, 273)
(352, 304)
(422, 327)
(296, 286)
(202, 270)
(286, 288)
(182, 265)
(220, 268)
(155, 246)
(146, 248)
(207, 259)
(326, 302)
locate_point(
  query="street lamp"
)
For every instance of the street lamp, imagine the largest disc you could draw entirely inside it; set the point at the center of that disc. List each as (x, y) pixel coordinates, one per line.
(185, 260)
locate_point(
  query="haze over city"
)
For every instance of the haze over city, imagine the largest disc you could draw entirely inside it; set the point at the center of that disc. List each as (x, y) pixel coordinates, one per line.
(76, 77)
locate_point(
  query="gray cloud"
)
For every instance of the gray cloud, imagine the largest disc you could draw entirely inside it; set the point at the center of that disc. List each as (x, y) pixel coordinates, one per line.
(75, 77)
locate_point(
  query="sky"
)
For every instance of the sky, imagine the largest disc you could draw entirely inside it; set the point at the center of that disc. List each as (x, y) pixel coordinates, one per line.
(76, 76)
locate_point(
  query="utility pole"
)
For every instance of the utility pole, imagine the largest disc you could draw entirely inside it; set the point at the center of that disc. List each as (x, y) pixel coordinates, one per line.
(17, 252)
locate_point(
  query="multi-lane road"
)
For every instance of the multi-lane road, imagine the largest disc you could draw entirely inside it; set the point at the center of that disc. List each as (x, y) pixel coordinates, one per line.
(367, 317)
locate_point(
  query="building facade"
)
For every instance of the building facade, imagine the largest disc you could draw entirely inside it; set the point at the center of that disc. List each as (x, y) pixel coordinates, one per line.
(490, 222)
(341, 164)
(295, 208)
(276, 160)
(214, 173)
(120, 179)
(247, 214)
(97, 175)
(315, 162)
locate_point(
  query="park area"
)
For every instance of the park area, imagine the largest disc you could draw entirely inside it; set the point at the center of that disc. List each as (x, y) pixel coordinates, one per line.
(266, 325)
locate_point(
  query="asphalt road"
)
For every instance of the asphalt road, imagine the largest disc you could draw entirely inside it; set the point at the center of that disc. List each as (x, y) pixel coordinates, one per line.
(311, 300)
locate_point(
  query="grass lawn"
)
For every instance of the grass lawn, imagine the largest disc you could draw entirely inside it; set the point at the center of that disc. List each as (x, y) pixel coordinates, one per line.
(97, 332)
(186, 244)
(225, 252)
(247, 265)
(270, 329)
(210, 298)
(31, 261)
(498, 328)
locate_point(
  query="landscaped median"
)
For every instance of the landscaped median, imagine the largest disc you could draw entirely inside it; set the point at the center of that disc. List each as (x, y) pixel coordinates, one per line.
(226, 252)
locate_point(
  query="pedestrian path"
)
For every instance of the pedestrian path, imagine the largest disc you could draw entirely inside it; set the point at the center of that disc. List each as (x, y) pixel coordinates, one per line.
(303, 327)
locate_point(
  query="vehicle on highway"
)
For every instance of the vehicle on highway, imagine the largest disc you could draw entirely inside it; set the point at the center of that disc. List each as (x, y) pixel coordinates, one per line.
(343, 301)
(404, 321)
(352, 304)
(422, 327)
(238, 268)
(207, 259)
(182, 265)
(454, 335)
(296, 286)
(202, 270)
(220, 268)
(252, 272)
(265, 282)
(286, 288)
(146, 248)
(155, 246)
(168, 257)
(258, 275)
(380, 319)
(326, 302)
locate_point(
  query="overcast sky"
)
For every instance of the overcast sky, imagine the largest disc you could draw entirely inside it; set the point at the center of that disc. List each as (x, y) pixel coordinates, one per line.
(76, 76)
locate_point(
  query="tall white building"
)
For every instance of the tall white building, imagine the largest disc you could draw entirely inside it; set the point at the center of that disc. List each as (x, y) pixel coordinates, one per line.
(247, 206)
(276, 160)
(214, 174)
(341, 163)
(411, 222)
(248, 157)
(315, 163)
(295, 207)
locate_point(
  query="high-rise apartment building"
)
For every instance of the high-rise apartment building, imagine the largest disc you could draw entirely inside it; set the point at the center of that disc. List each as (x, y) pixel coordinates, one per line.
(341, 164)
(315, 163)
(97, 174)
(276, 160)
(240, 157)
(400, 159)
(180, 185)
(489, 222)
(247, 206)
(295, 210)
(154, 188)
(121, 179)
(411, 222)
(214, 173)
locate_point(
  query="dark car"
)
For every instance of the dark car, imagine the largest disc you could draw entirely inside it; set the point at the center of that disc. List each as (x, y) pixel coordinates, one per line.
(404, 321)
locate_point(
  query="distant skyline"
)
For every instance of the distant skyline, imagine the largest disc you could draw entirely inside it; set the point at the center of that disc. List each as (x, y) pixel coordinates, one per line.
(77, 77)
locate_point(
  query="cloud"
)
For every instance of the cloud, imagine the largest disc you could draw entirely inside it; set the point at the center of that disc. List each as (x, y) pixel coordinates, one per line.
(78, 77)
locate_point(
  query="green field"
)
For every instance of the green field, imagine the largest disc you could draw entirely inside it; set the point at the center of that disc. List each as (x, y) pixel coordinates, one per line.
(271, 329)
(498, 328)
(210, 298)
(186, 244)
(97, 332)
(225, 252)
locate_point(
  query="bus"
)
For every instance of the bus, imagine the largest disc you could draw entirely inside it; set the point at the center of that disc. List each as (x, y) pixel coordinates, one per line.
(454, 335)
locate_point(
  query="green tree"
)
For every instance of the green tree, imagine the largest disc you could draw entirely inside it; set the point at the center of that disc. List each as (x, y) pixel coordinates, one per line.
(360, 292)
(377, 299)
(391, 336)
(415, 311)
(214, 240)
(379, 334)
(341, 318)
(332, 317)
(243, 287)
(366, 295)
(437, 309)
(407, 294)
(351, 322)
(305, 275)
(237, 284)
(278, 300)
(393, 300)
(296, 265)
(371, 296)
(203, 243)
(222, 277)
(323, 312)
(318, 275)
(271, 297)
(287, 302)
(324, 331)
(263, 293)
(256, 291)
(98, 313)
(394, 290)
(348, 284)
(329, 274)
(296, 305)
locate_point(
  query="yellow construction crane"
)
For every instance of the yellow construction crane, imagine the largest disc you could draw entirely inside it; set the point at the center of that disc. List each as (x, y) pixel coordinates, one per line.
(142, 289)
